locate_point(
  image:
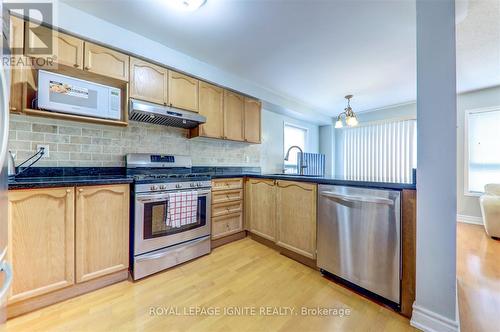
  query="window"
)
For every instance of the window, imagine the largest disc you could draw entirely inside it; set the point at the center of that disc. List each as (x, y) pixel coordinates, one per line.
(482, 149)
(293, 135)
(384, 152)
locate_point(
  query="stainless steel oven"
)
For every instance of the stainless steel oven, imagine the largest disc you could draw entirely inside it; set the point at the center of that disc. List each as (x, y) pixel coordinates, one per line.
(151, 230)
(171, 212)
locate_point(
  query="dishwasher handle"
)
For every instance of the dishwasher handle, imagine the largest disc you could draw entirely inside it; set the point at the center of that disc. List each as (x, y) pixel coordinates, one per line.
(358, 199)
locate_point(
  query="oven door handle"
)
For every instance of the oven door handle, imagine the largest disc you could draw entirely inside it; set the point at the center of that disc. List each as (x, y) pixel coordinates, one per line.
(150, 198)
(167, 251)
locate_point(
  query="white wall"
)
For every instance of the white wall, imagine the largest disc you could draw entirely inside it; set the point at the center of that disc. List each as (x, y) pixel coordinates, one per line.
(327, 147)
(272, 139)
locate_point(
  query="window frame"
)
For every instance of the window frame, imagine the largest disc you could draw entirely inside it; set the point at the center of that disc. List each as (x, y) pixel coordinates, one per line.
(306, 138)
(466, 147)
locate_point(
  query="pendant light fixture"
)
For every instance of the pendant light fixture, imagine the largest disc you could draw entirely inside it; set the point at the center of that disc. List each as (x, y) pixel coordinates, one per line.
(350, 117)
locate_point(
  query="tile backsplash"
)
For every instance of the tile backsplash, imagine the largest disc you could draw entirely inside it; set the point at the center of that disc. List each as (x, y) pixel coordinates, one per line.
(81, 144)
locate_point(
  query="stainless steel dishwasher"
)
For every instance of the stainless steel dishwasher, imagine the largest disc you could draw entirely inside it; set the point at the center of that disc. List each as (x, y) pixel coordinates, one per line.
(359, 238)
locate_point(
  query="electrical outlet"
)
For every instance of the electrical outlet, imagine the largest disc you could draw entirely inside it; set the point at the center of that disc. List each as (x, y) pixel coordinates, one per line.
(46, 150)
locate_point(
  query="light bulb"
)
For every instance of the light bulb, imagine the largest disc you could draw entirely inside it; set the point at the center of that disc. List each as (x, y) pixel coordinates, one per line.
(354, 121)
(348, 120)
(338, 124)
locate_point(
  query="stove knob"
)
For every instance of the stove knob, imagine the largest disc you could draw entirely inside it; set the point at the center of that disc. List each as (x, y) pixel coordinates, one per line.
(198, 184)
(153, 187)
(178, 185)
(162, 187)
(192, 185)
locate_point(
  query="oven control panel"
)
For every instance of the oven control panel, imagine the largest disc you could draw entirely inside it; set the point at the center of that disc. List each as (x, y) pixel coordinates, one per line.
(173, 186)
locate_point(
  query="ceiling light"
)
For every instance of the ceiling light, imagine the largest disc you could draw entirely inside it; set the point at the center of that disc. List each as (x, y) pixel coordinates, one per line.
(351, 119)
(186, 5)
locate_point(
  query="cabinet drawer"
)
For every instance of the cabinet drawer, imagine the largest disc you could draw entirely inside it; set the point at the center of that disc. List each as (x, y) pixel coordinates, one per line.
(227, 225)
(227, 184)
(227, 196)
(223, 209)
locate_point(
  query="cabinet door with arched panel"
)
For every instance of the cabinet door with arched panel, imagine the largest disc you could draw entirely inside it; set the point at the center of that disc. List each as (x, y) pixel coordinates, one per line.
(102, 230)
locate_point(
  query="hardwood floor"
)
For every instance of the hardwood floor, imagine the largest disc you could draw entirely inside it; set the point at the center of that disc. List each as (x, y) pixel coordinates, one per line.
(478, 275)
(240, 274)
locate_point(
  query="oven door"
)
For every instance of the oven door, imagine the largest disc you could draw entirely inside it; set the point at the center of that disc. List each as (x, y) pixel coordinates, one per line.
(151, 231)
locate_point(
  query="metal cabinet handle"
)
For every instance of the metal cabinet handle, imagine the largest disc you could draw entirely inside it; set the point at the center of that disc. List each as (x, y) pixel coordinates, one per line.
(5, 268)
(357, 199)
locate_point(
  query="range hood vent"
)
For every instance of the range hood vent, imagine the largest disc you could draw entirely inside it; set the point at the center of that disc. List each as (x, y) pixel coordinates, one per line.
(163, 115)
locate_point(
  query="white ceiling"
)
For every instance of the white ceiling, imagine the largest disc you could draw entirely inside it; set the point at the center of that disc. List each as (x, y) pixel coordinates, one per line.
(313, 51)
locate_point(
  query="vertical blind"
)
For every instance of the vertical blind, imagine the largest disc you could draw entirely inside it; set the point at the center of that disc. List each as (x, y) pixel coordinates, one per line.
(384, 152)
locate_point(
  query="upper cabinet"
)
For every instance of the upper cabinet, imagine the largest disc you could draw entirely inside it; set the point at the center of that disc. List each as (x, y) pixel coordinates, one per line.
(252, 120)
(234, 110)
(105, 61)
(212, 107)
(148, 81)
(16, 75)
(68, 50)
(182, 91)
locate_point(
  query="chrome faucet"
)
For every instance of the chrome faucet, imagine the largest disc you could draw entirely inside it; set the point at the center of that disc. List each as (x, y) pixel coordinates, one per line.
(300, 163)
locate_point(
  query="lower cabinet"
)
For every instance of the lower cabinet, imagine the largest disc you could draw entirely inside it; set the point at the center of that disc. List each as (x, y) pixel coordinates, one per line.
(283, 212)
(227, 207)
(296, 217)
(102, 230)
(41, 241)
(262, 208)
(43, 249)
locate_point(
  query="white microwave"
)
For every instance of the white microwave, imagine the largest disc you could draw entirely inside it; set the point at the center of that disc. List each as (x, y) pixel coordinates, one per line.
(65, 94)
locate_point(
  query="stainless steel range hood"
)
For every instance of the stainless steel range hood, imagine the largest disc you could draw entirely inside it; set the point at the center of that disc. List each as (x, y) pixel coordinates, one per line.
(163, 115)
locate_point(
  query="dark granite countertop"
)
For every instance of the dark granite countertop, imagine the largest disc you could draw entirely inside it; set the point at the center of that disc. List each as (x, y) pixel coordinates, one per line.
(321, 180)
(67, 181)
(45, 177)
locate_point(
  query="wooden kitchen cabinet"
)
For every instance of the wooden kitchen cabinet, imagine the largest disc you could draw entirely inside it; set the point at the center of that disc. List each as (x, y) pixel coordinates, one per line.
(41, 241)
(182, 91)
(252, 120)
(211, 106)
(296, 217)
(234, 112)
(148, 81)
(104, 61)
(227, 225)
(68, 50)
(227, 210)
(16, 42)
(102, 230)
(262, 208)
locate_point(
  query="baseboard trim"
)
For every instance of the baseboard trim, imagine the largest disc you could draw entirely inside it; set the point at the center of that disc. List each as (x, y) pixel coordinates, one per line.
(429, 321)
(469, 219)
(28, 305)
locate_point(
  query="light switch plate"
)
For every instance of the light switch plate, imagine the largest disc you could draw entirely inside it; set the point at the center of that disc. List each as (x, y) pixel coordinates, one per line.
(46, 147)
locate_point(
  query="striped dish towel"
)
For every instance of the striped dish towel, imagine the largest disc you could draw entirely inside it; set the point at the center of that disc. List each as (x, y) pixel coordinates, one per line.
(182, 209)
